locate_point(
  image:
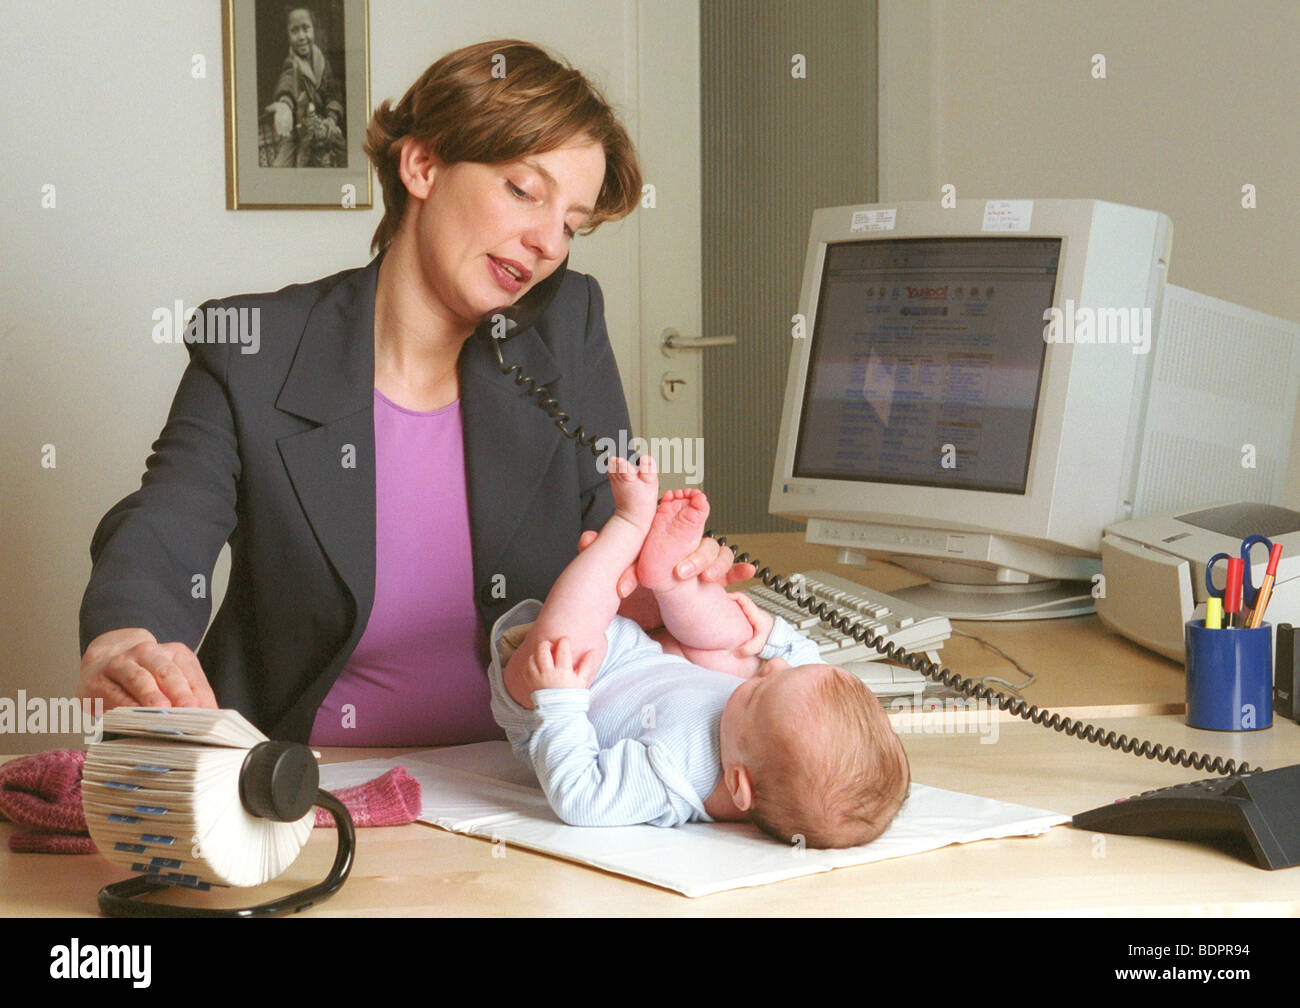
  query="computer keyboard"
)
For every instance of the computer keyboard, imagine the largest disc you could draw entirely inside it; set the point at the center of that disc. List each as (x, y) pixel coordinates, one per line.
(899, 622)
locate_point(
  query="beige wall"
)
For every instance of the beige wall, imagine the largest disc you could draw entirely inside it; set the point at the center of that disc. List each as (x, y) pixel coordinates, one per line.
(997, 98)
(100, 102)
(775, 147)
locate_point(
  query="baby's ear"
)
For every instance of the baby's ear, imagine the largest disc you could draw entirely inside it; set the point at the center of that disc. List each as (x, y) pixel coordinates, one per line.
(736, 778)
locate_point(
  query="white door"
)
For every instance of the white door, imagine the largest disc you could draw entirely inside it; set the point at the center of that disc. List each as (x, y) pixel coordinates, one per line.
(646, 53)
(669, 145)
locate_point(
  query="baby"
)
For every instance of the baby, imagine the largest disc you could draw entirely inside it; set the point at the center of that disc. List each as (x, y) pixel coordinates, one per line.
(727, 716)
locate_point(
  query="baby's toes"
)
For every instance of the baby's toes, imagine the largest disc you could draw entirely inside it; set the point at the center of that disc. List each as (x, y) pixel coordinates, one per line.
(647, 470)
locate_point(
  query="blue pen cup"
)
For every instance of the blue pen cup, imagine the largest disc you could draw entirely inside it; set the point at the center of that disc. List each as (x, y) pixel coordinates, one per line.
(1229, 678)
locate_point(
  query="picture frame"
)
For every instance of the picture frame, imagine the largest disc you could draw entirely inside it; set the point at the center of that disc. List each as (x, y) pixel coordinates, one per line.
(297, 97)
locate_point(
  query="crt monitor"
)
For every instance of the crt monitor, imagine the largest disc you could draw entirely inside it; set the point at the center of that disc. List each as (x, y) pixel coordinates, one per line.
(966, 393)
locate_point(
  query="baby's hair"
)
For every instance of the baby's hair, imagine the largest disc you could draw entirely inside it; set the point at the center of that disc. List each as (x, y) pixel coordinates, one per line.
(842, 785)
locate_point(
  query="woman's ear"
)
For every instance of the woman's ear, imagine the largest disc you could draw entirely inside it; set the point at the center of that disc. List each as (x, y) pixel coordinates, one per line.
(417, 166)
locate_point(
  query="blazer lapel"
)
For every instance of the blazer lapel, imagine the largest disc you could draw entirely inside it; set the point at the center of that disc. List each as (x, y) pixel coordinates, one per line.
(509, 441)
(332, 466)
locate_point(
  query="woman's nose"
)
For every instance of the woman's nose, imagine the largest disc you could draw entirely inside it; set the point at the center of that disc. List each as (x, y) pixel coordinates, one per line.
(549, 239)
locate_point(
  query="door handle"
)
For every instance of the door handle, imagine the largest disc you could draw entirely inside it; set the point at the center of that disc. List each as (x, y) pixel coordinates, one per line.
(673, 340)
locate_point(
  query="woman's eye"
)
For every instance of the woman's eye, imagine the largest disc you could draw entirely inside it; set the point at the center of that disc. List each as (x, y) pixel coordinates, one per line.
(520, 193)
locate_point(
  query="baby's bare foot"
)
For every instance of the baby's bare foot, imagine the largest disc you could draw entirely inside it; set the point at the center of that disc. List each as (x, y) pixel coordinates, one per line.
(675, 532)
(635, 489)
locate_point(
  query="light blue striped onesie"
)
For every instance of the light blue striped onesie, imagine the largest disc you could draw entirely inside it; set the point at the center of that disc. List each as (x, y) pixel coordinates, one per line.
(641, 746)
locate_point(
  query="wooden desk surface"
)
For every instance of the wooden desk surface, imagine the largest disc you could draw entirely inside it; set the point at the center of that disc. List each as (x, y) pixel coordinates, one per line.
(419, 870)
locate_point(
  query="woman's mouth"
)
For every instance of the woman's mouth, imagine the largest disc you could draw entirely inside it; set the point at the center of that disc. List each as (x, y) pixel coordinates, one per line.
(509, 275)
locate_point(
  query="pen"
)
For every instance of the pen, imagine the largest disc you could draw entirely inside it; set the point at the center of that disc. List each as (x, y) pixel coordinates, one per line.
(1266, 589)
(1232, 591)
(1213, 613)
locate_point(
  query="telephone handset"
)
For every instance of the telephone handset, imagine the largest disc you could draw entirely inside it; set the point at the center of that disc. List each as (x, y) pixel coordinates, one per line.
(505, 323)
(509, 320)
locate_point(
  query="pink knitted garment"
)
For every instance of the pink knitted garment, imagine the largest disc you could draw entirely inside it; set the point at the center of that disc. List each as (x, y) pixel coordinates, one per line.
(390, 800)
(43, 793)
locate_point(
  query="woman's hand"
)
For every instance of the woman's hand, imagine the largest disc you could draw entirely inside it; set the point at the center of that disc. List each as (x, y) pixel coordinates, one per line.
(712, 562)
(129, 668)
(709, 562)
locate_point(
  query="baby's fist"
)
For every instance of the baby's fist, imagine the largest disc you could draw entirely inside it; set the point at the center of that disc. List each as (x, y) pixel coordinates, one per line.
(552, 667)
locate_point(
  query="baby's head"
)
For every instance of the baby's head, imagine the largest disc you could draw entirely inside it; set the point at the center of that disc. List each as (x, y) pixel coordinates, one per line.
(808, 752)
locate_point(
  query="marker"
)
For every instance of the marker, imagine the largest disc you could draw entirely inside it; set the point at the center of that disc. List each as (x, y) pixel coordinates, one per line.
(1213, 613)
(1266, 589)
(1232, 591)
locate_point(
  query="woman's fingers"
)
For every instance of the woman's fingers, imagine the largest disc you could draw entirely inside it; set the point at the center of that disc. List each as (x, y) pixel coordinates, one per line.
(151, 675)
(712, 562)
(739, 572)
(170, 680)
(113, 695)
(701, 560)
(137, 681)
(188, 662)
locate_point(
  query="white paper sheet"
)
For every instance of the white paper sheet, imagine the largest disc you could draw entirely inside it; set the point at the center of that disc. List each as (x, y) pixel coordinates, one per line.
(482, 790)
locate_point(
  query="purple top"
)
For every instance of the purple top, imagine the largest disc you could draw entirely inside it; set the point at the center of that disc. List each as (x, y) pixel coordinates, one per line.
(418, 674)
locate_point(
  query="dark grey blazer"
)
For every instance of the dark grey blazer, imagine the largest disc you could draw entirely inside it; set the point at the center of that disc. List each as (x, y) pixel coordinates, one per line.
(274, 452)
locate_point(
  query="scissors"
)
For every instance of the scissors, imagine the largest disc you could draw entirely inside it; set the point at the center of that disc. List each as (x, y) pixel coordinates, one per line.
(1249, 593)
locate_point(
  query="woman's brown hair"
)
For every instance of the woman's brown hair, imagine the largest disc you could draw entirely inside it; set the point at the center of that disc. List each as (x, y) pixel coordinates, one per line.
(496, 102)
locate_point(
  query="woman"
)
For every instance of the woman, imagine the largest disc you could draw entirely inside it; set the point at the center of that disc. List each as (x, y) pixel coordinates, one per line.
(386, 492)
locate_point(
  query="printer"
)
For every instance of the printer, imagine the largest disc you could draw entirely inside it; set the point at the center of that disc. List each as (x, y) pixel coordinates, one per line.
(1154, 569)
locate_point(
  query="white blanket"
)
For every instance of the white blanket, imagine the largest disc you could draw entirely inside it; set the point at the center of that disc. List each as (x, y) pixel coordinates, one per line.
(482, 790)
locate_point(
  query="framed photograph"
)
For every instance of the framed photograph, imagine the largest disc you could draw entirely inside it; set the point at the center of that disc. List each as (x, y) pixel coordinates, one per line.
(297, 103)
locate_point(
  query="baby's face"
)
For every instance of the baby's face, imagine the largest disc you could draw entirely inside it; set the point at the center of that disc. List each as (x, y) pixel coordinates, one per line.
(775, 696)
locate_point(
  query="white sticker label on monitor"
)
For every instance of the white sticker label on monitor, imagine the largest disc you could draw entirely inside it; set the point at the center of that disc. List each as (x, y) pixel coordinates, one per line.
(1008, 215)
(873, 220)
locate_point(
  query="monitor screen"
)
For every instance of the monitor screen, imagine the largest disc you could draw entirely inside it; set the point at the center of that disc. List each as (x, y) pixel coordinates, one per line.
(927, 360)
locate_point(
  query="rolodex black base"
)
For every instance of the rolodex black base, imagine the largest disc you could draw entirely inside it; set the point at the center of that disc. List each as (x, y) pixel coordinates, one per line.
(121, 899)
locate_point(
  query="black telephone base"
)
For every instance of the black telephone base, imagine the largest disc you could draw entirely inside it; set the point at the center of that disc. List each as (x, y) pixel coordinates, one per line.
(1255, 815)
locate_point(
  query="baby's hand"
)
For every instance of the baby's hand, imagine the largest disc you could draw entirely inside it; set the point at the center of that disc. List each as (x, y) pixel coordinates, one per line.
(759, 620)
(551, 667)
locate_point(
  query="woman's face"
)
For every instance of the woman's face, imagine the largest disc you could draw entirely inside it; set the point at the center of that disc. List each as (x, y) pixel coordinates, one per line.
(300, 32)
(487, 234)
